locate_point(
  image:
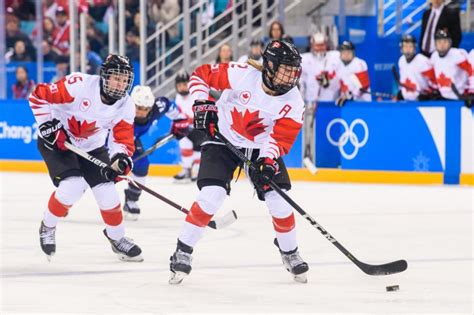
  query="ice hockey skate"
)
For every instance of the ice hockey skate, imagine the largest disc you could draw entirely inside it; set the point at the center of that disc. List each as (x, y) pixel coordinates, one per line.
(180, 264)
(294, 264)
(125, 248)
(183, 177)
(47, 240)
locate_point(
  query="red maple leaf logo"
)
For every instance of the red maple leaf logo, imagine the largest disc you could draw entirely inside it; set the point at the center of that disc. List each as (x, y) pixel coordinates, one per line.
(248, 125)
(443, 80)
(81, 129)
(409, 85)
(245, 95)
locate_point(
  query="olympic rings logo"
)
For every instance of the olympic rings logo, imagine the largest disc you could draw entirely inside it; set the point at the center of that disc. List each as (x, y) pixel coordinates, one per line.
(348, 135)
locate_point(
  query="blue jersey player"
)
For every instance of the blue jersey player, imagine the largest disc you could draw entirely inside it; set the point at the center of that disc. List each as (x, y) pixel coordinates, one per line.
(149, 109)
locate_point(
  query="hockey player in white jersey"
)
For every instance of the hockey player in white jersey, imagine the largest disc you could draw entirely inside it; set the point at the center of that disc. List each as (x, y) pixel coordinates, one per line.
(190, 146)
(319, 70)
(417, 77)
(451, 67)
(86, 110)
(261, 113)
(353, 75)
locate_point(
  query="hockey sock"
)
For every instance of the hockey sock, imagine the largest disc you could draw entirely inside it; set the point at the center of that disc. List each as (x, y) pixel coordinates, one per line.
(208, 201)
(69, 191)
(283, 221)
(109, 204)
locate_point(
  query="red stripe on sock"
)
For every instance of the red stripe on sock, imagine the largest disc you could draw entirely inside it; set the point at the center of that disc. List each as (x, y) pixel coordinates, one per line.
(284, 225)
(197, 216)
(186, 152)
(57, 208)
(112, 216)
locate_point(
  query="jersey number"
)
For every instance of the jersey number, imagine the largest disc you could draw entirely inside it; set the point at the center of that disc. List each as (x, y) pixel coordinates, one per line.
(74, 79)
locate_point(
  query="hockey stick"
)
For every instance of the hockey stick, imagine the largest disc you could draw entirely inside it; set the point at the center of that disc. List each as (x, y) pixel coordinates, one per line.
(219, 223)
(157, 145)
(373, 270)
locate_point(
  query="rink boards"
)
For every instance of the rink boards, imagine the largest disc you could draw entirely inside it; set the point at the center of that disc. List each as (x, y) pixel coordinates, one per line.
(378, 142)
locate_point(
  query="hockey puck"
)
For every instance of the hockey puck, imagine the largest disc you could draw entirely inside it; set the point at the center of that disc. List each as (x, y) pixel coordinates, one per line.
(392, 288)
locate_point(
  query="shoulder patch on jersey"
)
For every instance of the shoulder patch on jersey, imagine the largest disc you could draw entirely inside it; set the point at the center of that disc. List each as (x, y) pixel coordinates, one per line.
(245, 96)
(85, 105)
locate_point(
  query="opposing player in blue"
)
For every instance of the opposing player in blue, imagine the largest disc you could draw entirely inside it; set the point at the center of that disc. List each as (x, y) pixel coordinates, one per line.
(149, 110)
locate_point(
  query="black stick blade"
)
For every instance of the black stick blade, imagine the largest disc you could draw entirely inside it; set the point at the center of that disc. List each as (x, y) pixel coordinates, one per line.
(385, 269)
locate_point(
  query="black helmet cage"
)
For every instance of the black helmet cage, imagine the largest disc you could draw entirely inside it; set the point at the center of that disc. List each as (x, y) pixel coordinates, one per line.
(120, 68)
(276, 54)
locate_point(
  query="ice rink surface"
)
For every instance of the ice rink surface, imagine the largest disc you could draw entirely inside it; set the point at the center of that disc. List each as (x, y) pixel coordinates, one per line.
(238, 269)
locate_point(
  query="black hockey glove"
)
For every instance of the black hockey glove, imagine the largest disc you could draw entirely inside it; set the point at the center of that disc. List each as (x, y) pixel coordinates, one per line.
(121, 164)
(323, 79)
(205, 116)
(54, 135)
(180, 128)
(341, 100)
(265, 169)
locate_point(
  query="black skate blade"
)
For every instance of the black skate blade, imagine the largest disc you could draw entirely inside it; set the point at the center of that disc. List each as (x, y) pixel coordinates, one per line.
(177, 277)
(49, 257)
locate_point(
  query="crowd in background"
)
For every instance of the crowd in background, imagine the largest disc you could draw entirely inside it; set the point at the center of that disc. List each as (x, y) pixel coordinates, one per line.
(20, 40)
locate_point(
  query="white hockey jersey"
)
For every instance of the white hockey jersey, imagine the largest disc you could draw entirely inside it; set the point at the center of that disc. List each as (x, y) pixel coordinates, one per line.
(185, 105)
(248, 116)
(453, 68)
(75, 101)
(312, 68)
(353, 77)
(416, 76)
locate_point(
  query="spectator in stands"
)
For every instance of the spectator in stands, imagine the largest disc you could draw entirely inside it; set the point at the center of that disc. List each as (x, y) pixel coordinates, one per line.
(439, 17)
(93, 61)
(49, 55)
(224, 54)
(163, 11)
(133, 45)
(23, 86)
(20, 53)
(14, 34)
(24, 10)
(49, 29)
(61, 38)
(95, 37)
(277, 32)
(255, 53)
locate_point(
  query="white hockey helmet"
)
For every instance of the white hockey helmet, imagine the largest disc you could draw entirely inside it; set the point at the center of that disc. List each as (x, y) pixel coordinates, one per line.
(318, 38)
(143, 96)
(319, 44)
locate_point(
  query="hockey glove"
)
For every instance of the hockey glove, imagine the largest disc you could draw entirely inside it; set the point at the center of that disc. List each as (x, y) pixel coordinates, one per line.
(121, 164)
(53, 134)
(265, 169)
(180, 128)
(341, 100)
(323, 79)
(205, 116)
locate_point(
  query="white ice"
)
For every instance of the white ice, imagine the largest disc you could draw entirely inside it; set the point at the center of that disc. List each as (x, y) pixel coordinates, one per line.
(238, 269)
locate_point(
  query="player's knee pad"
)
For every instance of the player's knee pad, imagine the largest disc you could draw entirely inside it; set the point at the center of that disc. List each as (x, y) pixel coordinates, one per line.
(70, 190)
(211, 198)
(106, 196)
(277, 206)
